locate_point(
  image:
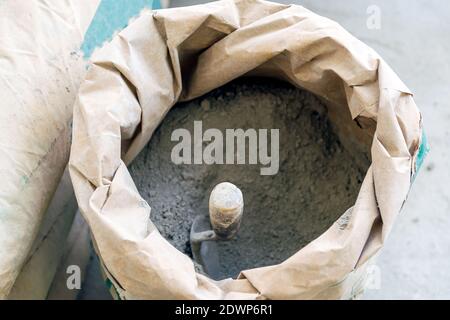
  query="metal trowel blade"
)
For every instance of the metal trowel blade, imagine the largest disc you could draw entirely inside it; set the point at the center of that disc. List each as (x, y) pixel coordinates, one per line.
(209, 257)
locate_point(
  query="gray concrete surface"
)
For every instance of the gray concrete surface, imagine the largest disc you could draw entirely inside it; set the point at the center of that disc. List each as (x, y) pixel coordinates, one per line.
(414, 39)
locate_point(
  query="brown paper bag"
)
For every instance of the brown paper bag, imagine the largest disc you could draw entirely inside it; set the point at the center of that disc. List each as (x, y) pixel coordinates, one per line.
(178, 54)
(40, 72)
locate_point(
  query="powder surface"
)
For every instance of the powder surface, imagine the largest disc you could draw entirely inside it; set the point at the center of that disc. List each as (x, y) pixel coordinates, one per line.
(318, 180)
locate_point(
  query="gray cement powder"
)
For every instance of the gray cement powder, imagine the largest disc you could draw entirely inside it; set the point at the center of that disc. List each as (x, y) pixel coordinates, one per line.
(316, 183)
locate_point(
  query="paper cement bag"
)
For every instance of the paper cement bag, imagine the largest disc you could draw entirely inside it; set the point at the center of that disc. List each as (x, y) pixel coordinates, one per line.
(42, 68)
(50, 245)
(178, 54)
(40, 71)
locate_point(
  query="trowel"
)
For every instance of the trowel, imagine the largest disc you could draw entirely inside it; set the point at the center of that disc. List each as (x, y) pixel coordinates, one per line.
(226, 207)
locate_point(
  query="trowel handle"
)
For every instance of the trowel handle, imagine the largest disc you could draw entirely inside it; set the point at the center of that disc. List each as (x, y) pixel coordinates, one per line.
(226, 207)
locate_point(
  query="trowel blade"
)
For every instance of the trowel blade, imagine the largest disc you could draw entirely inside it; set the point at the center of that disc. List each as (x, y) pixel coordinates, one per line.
(209, 257)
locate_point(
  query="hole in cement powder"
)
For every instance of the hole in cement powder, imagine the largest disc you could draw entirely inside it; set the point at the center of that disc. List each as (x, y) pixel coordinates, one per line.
(318, 179)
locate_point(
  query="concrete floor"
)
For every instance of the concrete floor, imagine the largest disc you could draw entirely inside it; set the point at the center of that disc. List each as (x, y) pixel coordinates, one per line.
(414, 39)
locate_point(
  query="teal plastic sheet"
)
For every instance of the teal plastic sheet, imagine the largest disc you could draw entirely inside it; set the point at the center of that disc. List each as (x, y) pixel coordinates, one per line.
(112, 16)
